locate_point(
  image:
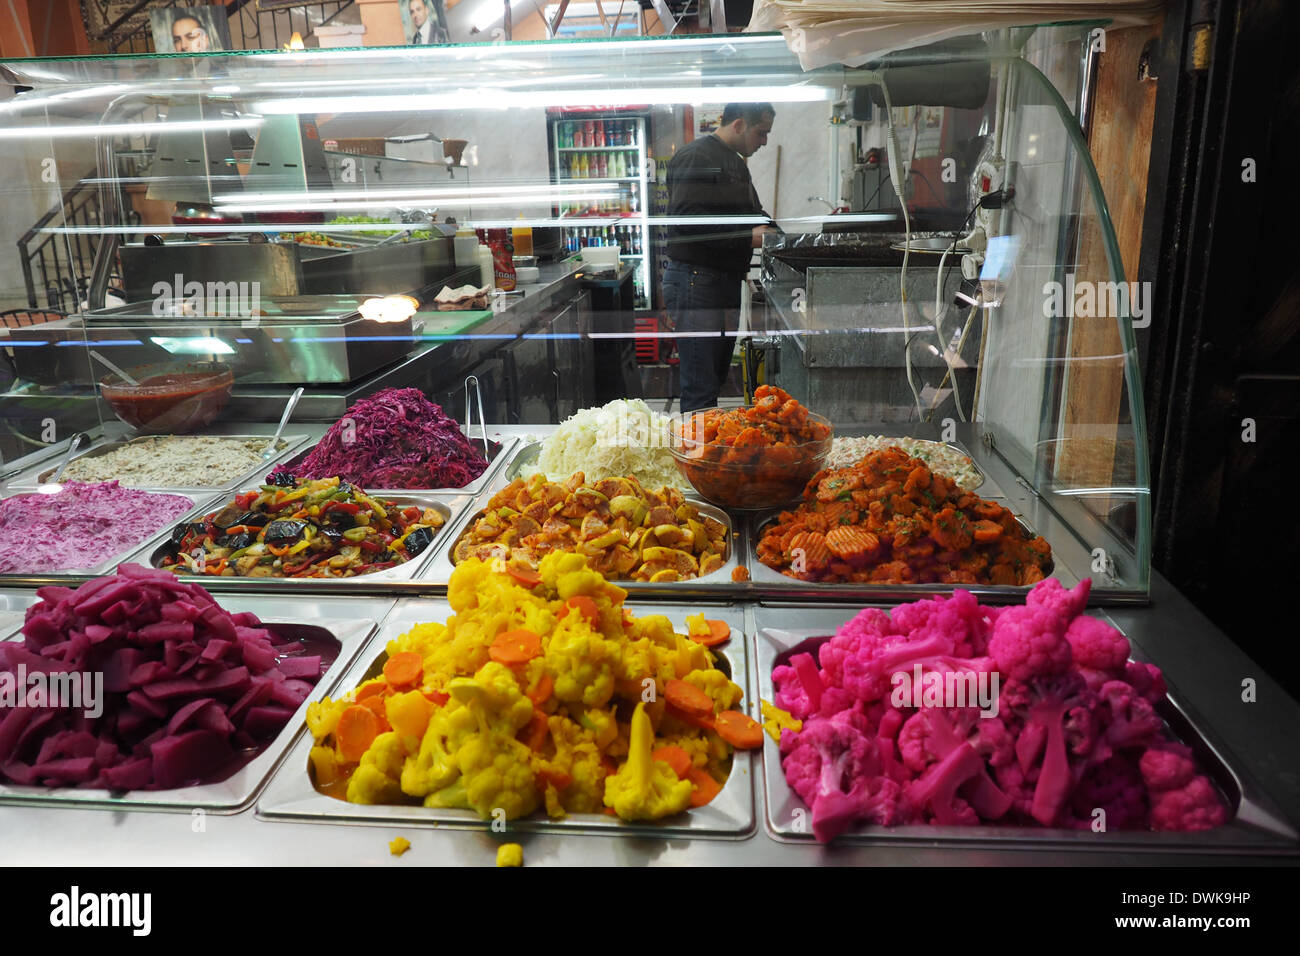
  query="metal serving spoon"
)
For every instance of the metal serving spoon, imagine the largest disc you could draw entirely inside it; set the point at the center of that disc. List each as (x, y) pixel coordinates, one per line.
(284, 420)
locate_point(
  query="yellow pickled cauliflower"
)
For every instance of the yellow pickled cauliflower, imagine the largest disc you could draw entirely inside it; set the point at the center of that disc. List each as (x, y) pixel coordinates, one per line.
(582, 662)
(376, 778)
(469, 756)
(559, 718)
(645, 788)
(776, 720)
(578, 758)
(510, 854)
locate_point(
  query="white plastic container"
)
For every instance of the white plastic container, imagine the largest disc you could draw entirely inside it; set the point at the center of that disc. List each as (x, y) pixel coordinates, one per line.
(465, 248)
(601, 257)
(487, 274)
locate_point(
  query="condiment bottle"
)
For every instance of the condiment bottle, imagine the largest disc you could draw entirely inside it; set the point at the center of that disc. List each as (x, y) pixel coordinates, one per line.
(523, 237)
(503, 258)
(485, 279)
(465, 248)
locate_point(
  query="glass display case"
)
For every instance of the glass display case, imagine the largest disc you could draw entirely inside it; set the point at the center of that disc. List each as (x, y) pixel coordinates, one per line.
(224, 268)
(246, 206)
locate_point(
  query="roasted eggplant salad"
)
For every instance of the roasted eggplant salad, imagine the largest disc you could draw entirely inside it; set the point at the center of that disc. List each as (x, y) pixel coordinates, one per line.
(323, 528)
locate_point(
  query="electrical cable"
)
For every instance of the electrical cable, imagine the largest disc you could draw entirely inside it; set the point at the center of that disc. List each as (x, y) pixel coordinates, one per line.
(993, 200)
(896, 175)
(941, 309)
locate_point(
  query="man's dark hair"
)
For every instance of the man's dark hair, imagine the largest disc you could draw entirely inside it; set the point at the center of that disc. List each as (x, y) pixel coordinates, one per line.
(751, 113)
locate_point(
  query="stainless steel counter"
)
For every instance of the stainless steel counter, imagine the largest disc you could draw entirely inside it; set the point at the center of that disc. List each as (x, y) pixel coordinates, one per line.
(514, 314)
(1198, 660)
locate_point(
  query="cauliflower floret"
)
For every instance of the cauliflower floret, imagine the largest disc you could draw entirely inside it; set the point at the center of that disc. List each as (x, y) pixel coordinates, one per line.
(577, 755)
(323, 716)
(583, 663)
(376, 777)
(498, 777)
(645, 788)
(510, 854)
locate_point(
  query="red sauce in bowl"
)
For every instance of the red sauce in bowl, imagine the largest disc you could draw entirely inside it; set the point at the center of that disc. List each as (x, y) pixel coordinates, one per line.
(175, 401)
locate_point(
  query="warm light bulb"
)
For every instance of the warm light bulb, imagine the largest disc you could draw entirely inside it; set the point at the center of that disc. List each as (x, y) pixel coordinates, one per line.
(391, 308)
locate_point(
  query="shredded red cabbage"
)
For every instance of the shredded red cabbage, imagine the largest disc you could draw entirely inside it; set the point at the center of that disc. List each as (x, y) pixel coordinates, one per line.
(396, 438)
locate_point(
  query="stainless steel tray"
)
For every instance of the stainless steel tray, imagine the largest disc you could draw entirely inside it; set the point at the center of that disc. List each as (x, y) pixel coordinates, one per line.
(40, 475)
(717, 584)
(498, 452)
(10, 622)
(1255, 823)
(238, 790)
(770, 583)
(291, 794)
(199, 501)
(450, 507)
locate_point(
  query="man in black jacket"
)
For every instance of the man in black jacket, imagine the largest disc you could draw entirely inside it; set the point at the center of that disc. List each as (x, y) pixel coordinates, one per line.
(707, 262)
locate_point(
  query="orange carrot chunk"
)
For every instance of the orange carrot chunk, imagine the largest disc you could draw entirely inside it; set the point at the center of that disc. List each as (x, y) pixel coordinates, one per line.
(584, 606)
(376, 705)
(706, 788)
(404, 669)
(739, 730)
(718, 632)
(525, 576)
(358, 727)
(542, 691)
(556, 778)
(688, 698)
(515, 647)
(536, 731)
(675, 757)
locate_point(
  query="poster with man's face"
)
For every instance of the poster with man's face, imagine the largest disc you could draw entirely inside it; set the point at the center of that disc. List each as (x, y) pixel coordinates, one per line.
(190, 29)
(424, 22)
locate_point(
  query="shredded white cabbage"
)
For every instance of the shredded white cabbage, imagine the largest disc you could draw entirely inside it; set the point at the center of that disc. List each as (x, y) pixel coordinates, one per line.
(622, 438)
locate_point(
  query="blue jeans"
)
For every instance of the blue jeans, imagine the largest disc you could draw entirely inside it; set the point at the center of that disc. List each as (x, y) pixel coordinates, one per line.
(703, 303)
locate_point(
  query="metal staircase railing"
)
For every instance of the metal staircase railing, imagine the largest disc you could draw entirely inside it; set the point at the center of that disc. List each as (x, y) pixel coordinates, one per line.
(57, 265)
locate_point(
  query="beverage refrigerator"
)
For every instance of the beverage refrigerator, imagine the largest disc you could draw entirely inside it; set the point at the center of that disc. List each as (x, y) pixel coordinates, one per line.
(599, 159)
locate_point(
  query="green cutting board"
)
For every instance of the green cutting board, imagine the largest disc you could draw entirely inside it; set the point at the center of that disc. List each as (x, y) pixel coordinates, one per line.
(440, 324)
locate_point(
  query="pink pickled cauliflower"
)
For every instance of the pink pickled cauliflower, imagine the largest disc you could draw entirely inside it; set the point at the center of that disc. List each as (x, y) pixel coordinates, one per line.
(1076, 739)
(834, 769)
(1030, 642)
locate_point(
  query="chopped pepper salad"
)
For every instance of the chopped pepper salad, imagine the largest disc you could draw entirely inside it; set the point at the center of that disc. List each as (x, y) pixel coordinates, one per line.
(306, 529)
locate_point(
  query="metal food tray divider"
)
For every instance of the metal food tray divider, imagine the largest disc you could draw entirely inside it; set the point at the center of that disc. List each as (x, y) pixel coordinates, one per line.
(237, 791)
(291, 794)
(1256, 823)
(450, 506)
(37, 476)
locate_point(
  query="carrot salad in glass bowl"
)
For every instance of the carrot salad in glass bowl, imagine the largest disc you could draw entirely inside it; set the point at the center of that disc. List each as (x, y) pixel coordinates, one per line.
(757, 457)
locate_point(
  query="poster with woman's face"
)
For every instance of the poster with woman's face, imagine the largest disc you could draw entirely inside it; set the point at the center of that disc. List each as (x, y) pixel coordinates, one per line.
(190, 29)
(424, 22)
